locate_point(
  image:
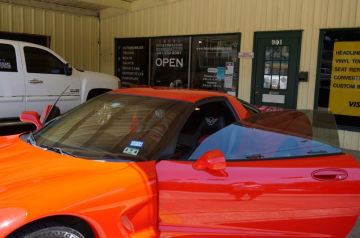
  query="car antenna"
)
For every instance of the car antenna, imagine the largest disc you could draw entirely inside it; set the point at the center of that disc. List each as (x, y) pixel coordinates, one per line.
(56, 101)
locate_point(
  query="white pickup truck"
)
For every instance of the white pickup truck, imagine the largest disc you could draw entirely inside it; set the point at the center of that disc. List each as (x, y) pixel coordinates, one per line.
(33, 76)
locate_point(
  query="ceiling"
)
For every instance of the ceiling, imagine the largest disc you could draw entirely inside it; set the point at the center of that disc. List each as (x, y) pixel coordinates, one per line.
(84, 7)
(78, 4)
(98, 8)
(90, 4)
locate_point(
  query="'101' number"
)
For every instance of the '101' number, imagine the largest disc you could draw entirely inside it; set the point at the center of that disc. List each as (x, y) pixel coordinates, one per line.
(276, 42)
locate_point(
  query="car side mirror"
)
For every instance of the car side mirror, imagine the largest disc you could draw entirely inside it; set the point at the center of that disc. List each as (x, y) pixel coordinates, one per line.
(32, 117)
(212, 160)
(68, 69)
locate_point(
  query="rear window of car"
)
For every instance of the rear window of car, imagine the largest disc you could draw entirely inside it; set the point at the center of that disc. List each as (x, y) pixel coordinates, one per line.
(251, 108)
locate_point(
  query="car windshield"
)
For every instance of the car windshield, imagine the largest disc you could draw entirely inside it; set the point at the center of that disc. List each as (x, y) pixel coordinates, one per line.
(271, 135)
(114, 126)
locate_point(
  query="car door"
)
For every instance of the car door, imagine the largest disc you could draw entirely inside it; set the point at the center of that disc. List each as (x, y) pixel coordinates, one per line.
(266, 187)
(46, 79)
(12, 88)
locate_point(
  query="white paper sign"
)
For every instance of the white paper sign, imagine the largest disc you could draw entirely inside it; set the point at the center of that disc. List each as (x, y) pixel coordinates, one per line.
(246, 54)
(228, 81)
(270, 98)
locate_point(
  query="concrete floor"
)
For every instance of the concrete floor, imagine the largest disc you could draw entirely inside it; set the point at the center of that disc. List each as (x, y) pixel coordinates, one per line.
(356, 154)
(355, 233)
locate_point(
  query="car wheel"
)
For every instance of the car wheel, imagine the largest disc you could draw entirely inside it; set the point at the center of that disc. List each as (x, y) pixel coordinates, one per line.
(51, 232)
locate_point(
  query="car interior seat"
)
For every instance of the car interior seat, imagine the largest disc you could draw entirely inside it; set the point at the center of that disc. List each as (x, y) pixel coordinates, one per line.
(204, 121)
(210, 124)
(202, 126)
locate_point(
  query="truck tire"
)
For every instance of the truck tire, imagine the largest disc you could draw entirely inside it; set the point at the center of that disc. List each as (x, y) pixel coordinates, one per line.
(96, 92)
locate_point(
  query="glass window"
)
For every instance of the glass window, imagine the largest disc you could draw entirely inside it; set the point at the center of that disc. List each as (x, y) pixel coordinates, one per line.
(115, 126)
(338, 89)
(276, 67)
(132, 61)
(294, 134)
(7, 58)
(205, 120)
(251, 108)
(42, 62)
(170, 61)
(208, 62)
(215, 62)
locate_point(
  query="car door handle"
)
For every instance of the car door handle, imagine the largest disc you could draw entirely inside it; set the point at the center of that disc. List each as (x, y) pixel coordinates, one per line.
(246, 190)
(329, 174)
(35, 81)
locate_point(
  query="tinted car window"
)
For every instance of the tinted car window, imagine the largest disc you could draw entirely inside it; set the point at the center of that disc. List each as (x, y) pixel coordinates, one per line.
(264, 137)
(115, 126)
(7, 58)
(42, 62)
(243, 143)
(205, 120)
(251, 108)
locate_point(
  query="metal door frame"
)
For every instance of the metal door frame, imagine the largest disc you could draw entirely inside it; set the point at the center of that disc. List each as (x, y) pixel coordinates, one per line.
(275, 34)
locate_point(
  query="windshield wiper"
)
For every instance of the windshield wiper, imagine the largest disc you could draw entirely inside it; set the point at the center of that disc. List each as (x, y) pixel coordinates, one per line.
(31, 139)
(255, 157)
(317, 151)
(113, 158)
(108, 156)
(55, 149)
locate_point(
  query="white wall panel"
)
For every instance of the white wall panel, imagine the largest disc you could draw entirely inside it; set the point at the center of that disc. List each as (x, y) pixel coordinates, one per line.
(74, 37)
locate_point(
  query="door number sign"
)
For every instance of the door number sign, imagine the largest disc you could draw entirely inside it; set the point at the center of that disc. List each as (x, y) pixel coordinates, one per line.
(276, 42)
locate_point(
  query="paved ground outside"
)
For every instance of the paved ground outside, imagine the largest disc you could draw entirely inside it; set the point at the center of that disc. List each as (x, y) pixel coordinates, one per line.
(354, 153)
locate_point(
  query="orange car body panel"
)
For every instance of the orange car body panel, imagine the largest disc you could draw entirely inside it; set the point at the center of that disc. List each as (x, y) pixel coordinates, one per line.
(175, 94)
(192, 96)
(36, 183)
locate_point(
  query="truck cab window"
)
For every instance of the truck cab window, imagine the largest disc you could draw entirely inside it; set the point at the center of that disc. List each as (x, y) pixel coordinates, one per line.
(42, 62)
(7, 58)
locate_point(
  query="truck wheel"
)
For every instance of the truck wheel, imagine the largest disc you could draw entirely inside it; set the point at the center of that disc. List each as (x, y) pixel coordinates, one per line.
(96, 92)
(50, 232)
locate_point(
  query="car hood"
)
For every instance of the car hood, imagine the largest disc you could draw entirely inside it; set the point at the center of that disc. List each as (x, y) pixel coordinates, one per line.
(35, 183)
(30, 175)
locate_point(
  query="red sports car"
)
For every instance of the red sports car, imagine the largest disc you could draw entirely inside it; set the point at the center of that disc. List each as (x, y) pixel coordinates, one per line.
(146, 162)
